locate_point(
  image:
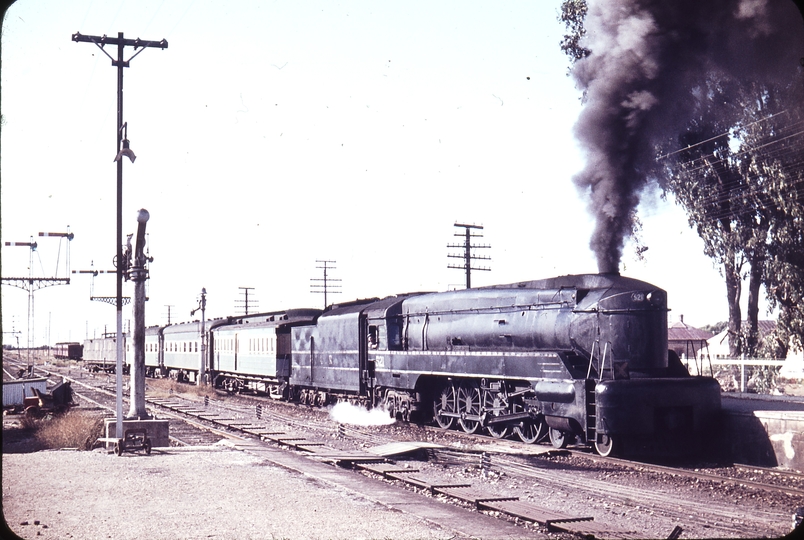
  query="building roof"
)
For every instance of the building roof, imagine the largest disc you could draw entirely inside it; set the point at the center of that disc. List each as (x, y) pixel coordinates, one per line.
(681, 331)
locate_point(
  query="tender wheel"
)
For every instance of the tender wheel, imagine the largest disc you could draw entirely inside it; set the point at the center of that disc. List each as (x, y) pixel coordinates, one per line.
(119, 448)
(147, 446)
(558, 438)
(445, 403)
(469, 404)
(605, 445)
(531, 432)
(495, 406)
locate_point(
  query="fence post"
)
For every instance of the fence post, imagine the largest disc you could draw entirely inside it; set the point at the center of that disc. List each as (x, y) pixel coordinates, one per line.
(742, 373)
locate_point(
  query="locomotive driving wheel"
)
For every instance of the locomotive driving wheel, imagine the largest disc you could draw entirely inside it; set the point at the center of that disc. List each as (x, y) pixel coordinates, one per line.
(531, 432)
(469, 405)
(494, 405)
(445, 403)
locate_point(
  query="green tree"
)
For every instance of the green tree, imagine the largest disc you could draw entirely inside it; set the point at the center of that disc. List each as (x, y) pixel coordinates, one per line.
(707, 177)
(774, 150)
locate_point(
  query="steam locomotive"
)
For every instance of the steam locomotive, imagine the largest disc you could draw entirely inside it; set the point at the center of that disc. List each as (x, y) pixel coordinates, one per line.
(574, 358)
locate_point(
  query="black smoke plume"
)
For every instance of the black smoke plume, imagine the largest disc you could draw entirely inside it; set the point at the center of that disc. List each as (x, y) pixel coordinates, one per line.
(649, 59)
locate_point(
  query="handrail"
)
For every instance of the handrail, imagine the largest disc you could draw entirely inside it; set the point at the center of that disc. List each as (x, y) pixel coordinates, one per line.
(591, 359)
(601, 364)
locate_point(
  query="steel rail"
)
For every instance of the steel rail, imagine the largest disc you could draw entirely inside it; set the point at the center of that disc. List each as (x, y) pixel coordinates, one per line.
(695, 474)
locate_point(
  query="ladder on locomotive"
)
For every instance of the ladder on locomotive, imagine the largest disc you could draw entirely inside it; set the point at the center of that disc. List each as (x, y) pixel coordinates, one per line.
(591, 412)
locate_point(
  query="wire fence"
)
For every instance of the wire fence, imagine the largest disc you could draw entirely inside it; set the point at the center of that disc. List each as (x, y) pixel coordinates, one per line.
(756, 375)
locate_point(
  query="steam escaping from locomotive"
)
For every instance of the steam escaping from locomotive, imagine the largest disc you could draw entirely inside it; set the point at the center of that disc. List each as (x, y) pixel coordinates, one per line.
(346, 413)
(649, 63)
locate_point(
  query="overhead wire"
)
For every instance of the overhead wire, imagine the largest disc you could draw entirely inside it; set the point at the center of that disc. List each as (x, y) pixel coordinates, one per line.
(785, 147)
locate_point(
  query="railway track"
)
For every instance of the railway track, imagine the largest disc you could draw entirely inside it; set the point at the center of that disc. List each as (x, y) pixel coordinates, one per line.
(98, 391)
(618, 505)
(717, 518)
(779, 481)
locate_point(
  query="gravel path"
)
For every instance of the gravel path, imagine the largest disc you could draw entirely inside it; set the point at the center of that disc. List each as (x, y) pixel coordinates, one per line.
(211, 492)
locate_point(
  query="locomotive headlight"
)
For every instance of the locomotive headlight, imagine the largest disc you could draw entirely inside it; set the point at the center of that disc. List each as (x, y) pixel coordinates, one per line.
(656, 298)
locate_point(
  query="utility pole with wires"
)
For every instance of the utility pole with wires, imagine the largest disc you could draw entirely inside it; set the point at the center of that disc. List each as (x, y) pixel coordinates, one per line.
(121, 151)
(326, 285)
(467, 253)
(169, 306)
(245, 303)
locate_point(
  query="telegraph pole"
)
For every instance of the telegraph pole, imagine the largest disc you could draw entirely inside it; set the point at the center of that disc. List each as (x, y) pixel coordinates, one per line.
(169, 306)
(245, 302)
(325, 286)
(467, 254)
(121, 151)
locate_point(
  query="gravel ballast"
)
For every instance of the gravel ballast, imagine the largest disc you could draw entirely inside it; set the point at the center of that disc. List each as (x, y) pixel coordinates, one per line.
(212, 492)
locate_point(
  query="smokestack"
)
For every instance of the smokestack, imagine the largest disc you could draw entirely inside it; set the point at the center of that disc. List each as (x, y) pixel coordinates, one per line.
(649, 63)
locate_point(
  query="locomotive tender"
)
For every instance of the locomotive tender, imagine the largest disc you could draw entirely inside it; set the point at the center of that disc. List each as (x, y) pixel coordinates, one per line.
(577, 357)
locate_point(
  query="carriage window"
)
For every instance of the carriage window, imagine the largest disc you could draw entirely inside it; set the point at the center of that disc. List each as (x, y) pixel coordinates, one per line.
(394, 329)
(373, 338)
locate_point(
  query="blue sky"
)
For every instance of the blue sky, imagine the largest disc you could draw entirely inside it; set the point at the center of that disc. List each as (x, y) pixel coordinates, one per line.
(272, 134)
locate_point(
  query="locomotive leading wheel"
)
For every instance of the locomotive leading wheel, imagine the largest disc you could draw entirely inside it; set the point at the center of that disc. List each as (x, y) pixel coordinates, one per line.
(558, 438)
(445, 403)
(469, 405)
(605, 445)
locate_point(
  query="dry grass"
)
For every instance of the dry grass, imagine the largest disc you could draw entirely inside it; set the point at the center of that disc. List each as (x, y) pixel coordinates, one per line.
(73, 429)
(162, 388)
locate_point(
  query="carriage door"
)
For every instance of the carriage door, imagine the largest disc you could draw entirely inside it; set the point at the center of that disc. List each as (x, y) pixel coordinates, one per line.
(236, 348)
(366, 377)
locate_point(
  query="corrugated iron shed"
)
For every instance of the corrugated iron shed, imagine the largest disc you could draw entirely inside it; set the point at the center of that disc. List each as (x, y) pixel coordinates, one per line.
(14, 392)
